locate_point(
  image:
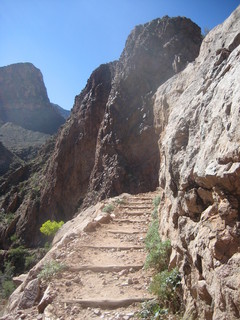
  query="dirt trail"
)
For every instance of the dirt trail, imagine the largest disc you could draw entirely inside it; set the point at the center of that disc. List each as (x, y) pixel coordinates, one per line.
(105, 278)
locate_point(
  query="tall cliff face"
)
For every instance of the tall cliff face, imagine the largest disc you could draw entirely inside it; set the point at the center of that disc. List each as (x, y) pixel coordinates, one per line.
(109, 146)
(24, 100)
(197, 119)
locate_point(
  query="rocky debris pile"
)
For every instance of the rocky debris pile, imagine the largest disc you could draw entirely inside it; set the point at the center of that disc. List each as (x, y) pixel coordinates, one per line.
(103, 276)
(196, 116)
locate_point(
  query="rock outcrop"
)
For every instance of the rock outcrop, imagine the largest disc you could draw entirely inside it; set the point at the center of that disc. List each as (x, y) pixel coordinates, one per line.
(24, 100)
(197, 120)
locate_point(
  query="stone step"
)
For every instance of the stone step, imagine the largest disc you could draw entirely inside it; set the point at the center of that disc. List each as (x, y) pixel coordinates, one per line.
(117, 248)
(125, 232)
(135, 213)
(137, 206)
(129, 221)
(107, 303)
(109, 268)
(137, 200)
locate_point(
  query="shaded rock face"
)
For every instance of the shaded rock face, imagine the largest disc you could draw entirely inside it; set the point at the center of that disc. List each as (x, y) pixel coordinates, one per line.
(74, 155)
(197, 119)
(24, 100)
(108, 145)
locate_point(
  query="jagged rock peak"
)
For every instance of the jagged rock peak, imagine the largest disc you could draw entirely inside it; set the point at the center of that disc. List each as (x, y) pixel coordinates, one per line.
(161, 37)
(24, 100)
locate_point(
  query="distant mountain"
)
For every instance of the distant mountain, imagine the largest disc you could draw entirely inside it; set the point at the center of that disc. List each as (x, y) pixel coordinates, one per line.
(63, 112)
(22, 142)
(24, 100)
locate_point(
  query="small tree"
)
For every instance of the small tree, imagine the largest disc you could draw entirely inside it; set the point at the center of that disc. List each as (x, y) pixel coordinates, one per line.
(49, 228)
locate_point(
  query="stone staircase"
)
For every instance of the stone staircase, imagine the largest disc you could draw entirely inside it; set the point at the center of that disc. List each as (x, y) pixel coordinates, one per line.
(105, 278)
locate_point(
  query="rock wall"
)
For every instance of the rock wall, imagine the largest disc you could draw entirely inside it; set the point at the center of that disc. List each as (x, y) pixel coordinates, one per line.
(197, 120)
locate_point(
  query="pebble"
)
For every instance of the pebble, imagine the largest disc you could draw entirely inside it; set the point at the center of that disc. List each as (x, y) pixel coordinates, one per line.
(68, 283)
(97, 312)
(123, 272)
(77, 280)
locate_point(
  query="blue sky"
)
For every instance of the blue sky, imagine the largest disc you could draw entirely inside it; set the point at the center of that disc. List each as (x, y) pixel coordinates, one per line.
(68, 39)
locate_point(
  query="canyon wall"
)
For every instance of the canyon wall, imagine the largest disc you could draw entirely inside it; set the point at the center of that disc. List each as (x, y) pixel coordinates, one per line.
(197, 120)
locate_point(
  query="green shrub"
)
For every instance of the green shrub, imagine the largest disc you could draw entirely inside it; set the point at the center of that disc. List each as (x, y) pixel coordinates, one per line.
(7, 288)
(49, 228)
(158, 251)
(6, 283)
(151, 310)
(17, 258)
(108, 208)
(156, 201)
(14, 238)
(119, 201)
(155, 214)
(50, 269)
(7, 218)
(166, 285)
(30, 261)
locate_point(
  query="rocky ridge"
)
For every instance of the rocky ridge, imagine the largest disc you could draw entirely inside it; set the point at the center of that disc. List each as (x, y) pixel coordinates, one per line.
(196, 117)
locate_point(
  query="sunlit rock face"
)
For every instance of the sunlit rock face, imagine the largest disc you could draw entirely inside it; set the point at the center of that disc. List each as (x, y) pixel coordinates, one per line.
(197, 119)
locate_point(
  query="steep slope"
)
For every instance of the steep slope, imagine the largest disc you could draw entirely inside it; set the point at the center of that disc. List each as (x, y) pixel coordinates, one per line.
(197, 119)
(24, 100)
